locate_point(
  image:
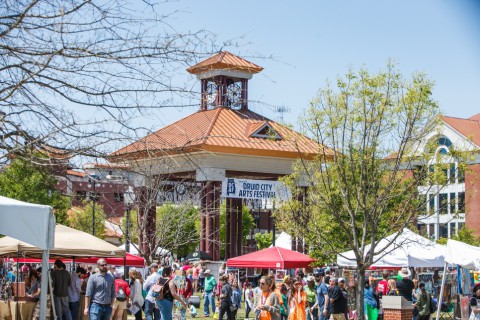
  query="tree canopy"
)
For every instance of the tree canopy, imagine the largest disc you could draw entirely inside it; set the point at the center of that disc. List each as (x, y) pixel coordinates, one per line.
(359, 188)
(27, 182)
(71, 70)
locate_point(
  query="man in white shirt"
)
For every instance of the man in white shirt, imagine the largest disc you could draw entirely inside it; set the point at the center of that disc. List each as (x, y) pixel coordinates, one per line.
(151, 312)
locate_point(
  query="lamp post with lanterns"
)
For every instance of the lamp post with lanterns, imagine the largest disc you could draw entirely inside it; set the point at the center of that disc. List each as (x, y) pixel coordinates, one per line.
(129, 200)
(92, 184)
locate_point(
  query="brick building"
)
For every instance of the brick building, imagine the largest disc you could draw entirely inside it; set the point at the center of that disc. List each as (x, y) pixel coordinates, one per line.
(457, 203)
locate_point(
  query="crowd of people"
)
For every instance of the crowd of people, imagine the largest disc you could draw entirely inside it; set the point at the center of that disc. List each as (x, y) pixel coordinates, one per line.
(166, 290)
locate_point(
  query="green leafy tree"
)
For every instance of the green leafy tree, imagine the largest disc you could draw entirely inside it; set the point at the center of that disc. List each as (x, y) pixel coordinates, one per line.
(359, 187)
(80, 218)
(175, 228)
(263, 240)
(464, 235)
(25, 181)
(247, 223)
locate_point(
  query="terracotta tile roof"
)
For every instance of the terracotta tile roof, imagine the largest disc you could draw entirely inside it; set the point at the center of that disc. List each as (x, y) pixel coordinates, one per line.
(225, 60)
(475, 117)
(76, 173)
(221, 130)
(106, 166)
(470, 128)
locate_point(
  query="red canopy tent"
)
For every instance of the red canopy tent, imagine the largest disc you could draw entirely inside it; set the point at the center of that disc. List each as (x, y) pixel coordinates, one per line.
(131, 260)
(271, 258)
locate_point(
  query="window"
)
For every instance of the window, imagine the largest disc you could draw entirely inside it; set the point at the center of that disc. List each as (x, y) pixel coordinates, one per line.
(431, 205)
(451, 177)
(80, 195)
(443, 230)
(95, 196)
(452, 203)
(461, 202)
(444, 141)
(443, 203)
(453, 229)
(118, 197)
(460, 174)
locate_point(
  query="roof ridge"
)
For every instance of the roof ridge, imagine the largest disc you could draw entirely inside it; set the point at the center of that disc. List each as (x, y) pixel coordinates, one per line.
(207, 134)
(467, 119)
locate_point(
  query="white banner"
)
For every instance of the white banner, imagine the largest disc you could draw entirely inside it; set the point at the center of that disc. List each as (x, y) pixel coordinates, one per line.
(255, 189)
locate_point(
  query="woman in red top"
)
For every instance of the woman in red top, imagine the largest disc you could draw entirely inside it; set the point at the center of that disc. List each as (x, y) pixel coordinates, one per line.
(119, 306)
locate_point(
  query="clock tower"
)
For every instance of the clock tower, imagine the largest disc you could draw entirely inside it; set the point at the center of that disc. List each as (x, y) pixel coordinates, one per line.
(224, 79)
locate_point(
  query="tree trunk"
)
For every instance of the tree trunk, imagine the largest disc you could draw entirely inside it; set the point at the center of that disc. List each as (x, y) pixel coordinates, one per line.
(359, 293)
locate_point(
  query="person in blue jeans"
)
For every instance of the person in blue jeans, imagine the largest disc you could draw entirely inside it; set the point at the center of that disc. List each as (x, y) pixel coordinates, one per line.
(151, 312)
(100, 293)
(169, 294)
(209, 296)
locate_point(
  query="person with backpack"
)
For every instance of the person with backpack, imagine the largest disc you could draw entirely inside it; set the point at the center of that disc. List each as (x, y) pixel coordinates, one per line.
(164, 292)
(122, 293)
(424, 303)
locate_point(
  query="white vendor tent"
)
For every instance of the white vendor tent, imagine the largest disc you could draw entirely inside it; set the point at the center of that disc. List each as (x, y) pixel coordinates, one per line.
(284, 240)
(32, 223)
(462, 254)
(68, 243)
(406, 249)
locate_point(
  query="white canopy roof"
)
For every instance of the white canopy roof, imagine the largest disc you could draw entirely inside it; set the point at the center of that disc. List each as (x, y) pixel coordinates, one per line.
(284, 240)
(408, 249)
(32, 223)
(68, 243)
(462, 254)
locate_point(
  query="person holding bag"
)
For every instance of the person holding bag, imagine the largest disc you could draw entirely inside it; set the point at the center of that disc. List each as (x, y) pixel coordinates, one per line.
(267, 305)
(136, 296)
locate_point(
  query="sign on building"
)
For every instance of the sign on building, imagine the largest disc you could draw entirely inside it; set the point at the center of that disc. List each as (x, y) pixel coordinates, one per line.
(255, 189)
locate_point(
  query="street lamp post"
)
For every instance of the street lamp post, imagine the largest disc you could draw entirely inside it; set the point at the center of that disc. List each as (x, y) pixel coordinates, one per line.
(92, 183)
(129, 199)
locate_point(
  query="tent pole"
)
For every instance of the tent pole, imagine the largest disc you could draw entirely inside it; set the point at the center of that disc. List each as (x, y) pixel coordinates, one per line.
(17, 309)
(439, 303)
(44, 284)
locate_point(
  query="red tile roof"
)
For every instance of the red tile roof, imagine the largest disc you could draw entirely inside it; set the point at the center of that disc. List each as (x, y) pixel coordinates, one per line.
(76, 173)
(221, 130)
(225, 60)
(470, 128)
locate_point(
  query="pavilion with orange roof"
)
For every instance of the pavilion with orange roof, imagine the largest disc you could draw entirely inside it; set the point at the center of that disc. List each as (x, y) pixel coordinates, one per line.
(223, 140)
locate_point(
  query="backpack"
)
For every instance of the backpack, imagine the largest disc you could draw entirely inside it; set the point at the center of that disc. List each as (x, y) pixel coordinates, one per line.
(158, 290)
(120, 296)
(433, 306)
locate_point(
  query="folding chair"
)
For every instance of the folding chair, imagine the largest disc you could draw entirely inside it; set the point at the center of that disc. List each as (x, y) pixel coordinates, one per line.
(447, 311)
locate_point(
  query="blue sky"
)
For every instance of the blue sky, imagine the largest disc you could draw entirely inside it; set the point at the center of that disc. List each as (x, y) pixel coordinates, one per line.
(312, 41)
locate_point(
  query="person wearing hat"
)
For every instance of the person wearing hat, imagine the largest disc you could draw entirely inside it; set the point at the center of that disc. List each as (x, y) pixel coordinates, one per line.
(423, 303)
(209, 298)
(150, 311)
(322, 294)
(475, 301)
(405, 286)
